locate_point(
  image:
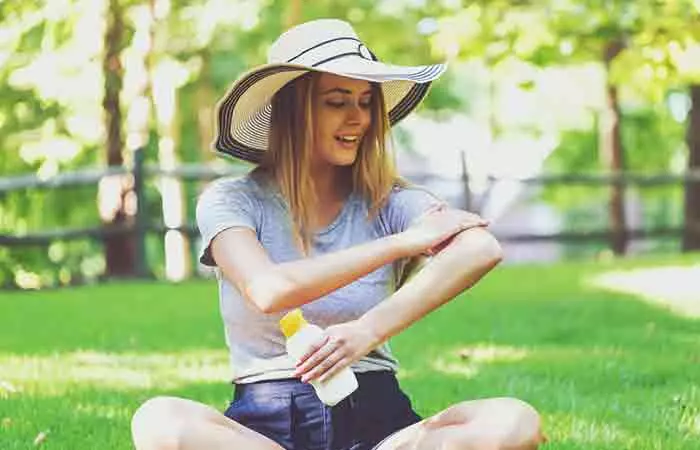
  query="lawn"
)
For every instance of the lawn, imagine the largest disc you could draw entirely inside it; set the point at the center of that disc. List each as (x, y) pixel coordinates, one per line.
(607, 370)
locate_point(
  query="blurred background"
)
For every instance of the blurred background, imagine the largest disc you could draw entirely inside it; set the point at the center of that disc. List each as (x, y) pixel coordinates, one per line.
(573, 125)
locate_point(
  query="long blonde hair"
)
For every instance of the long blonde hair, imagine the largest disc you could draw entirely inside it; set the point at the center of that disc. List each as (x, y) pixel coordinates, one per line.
(291, 142)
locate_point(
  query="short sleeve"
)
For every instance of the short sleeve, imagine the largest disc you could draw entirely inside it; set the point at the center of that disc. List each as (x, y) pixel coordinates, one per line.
(405, 204)
(224, 204)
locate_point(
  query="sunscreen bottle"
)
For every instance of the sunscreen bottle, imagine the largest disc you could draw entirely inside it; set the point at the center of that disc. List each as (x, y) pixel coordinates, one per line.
(301, 335)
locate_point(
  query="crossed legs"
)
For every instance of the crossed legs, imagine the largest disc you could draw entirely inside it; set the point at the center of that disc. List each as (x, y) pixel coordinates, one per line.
(488, 424)
(170, 423)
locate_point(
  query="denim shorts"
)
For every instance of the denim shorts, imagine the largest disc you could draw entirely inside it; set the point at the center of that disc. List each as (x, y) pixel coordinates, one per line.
(289, 412)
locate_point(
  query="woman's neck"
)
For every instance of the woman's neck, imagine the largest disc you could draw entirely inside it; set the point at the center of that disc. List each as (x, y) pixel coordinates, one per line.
(332, 185)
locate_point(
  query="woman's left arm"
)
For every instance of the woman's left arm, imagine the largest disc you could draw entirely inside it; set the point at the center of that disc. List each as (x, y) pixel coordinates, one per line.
(464, 261)
(458, 266)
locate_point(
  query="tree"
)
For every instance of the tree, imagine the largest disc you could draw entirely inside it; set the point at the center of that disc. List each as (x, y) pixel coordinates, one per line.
(668, 54)
(46, 129)
(691, 234)
(613, 153)
(620, 35)
(115, 192)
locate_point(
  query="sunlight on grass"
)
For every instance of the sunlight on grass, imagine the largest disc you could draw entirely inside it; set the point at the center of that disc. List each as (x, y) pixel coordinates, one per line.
(676, 287)
(584, 431)
(689, 405)
(7, 389)
(467, 361)
(28, 374)
(103, 411)
(691, 424)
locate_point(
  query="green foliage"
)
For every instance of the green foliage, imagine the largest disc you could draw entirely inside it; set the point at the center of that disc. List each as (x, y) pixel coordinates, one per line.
(25, 117)
(650, 136)
(577, 148)
(444, 96)
(59, 263)
(599, 366)
(653, 139)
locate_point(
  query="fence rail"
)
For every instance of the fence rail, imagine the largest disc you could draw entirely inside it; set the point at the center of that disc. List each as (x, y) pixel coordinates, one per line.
(101, 232)
(94, 175)
(192, 172)
(141, 225)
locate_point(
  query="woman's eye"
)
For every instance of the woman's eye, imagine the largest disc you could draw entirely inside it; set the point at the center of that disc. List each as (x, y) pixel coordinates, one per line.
(342, 104)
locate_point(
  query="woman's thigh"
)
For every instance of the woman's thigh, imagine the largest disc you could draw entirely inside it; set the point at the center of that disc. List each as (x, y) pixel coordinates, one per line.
(172, 422)
(506, 422)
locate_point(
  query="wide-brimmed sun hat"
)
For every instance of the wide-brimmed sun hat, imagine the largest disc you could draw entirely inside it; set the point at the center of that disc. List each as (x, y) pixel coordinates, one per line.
(326, 46)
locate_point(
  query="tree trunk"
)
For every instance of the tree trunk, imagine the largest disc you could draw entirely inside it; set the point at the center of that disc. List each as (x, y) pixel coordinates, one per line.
(691, 233)
(613, 155)
(115, 193)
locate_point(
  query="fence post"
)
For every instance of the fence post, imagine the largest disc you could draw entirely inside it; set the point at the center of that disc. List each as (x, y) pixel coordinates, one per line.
(141, 268)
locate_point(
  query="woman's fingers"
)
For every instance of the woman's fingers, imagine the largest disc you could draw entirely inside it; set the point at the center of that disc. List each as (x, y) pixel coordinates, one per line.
(473, 220)
(335, 369)
(345, 343)
(456, 221)
(314, 348)
(462, 220)
(323, 370)
(319, 362)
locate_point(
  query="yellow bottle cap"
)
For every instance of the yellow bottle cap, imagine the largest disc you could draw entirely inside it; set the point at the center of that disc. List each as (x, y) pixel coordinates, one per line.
(292, 322)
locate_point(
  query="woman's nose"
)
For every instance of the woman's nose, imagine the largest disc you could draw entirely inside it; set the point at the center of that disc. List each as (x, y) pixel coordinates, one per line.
(355, 114)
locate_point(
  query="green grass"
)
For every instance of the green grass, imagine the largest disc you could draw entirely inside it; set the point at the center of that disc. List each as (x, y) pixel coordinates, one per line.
(607, 371)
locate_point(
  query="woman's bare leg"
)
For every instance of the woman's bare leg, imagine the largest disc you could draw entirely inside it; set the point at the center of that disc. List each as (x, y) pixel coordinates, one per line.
(488, 424)
(170, 423)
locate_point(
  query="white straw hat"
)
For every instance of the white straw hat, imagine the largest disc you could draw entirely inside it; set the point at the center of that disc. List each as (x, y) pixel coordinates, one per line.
(326, 45)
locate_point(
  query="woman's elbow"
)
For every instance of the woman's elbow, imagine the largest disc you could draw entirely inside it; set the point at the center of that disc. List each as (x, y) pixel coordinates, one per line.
(265, 303)
(481, 245)
(266, 293)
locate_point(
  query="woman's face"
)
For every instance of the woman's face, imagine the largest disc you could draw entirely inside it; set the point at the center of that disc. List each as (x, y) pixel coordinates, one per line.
(342, 115)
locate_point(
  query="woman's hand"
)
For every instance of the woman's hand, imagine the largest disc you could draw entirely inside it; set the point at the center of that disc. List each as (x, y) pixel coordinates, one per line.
(341, 345)
(433, 230)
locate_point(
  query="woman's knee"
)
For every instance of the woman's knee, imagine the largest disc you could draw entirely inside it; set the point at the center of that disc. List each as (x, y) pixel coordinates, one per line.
(504, 423)
(522, 423)
(157, 424)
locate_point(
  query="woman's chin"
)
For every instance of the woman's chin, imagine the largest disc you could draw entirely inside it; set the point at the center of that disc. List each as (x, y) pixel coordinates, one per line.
(348, 161)
(340, 156)
(344, 158)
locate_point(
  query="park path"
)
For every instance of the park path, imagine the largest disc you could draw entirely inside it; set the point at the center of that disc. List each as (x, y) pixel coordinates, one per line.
(676, 287)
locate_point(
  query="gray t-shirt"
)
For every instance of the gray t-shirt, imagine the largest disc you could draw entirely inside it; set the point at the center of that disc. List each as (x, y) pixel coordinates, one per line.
(255, 342)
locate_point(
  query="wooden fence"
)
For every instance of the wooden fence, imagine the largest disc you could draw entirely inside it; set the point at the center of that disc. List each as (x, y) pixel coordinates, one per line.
(141, 226)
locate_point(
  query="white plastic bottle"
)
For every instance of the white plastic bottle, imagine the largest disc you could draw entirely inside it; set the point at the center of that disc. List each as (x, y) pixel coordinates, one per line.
(301, 335)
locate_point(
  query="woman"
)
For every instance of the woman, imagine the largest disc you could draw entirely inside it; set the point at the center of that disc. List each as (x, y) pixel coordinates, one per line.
(325, 224)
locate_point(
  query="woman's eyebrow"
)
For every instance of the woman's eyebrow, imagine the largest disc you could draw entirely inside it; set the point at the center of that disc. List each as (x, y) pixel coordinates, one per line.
(343, 91)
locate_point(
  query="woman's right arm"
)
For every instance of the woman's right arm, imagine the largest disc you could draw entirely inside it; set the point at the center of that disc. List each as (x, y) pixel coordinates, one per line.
(274, 287)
